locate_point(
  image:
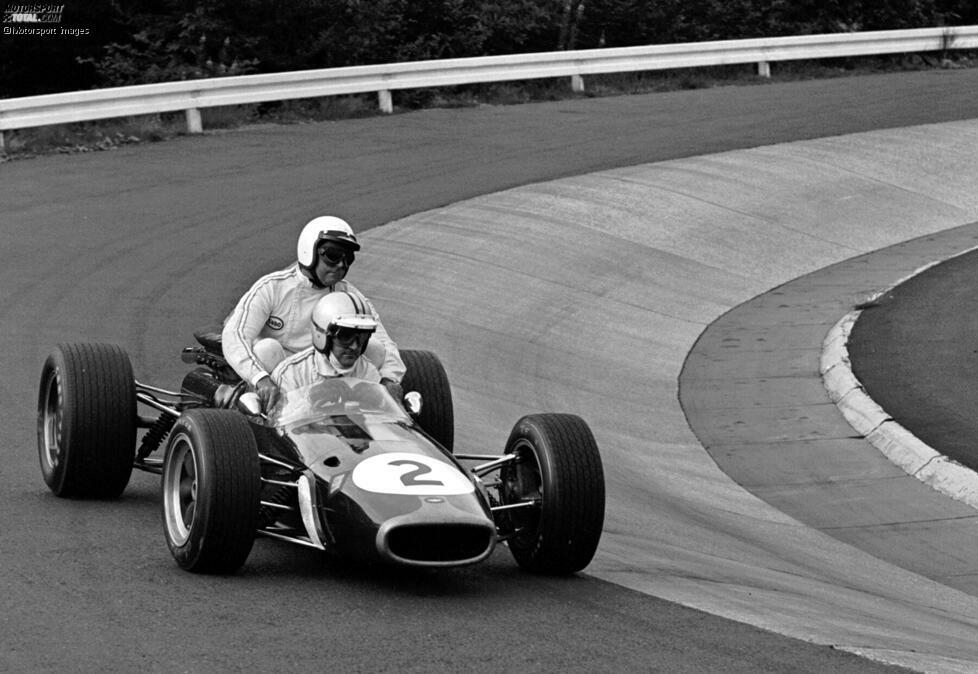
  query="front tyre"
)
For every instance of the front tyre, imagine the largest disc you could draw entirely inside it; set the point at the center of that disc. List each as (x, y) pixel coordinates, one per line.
(558, 481)
(211, 487)
(86, 420)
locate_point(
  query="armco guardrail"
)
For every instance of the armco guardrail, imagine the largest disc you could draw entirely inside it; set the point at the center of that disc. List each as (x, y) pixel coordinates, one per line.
(192, 95)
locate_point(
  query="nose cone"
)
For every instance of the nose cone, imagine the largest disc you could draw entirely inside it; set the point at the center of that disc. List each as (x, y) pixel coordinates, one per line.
(437, 534)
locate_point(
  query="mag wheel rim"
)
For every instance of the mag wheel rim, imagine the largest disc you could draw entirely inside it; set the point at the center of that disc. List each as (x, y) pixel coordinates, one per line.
(51, 424)
(180, 480)
(522, 482)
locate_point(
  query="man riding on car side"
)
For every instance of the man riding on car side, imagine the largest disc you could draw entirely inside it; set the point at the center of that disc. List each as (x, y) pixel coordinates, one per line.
(271, 320)
(341, 329)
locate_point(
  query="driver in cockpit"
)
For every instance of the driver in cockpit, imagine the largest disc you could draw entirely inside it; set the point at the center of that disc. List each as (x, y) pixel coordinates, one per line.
(341, 327)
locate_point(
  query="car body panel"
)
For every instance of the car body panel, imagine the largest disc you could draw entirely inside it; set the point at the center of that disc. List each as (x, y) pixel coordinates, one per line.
(383, 489)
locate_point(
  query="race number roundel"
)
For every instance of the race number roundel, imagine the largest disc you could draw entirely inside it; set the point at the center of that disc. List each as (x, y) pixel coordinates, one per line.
(411, 475)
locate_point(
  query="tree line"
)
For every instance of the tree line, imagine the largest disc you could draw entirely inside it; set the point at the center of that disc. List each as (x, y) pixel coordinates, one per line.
(142, 41)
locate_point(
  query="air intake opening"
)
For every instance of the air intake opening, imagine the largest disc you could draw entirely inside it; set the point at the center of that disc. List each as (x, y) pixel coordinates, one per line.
(440, 544)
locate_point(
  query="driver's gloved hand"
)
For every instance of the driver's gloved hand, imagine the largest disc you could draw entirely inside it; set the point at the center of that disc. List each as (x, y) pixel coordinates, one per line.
(266, 390)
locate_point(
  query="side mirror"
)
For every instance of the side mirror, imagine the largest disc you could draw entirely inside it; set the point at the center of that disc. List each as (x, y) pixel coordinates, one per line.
(412, 403)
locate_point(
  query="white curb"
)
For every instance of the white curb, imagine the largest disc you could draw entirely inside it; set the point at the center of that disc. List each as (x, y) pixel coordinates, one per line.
(870, 420)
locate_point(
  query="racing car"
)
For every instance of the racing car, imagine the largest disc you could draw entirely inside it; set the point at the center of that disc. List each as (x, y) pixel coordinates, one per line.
(339, 466)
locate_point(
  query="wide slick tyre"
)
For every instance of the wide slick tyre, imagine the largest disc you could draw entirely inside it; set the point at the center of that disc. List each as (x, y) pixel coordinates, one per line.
(559, 473)
(211, 489)
(86, 420)
(426, 375)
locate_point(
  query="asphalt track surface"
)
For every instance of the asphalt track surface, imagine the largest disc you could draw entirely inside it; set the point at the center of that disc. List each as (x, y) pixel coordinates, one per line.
(142, 245)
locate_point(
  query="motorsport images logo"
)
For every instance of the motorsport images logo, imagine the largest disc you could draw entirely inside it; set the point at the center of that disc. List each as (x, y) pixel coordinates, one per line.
(38, 20)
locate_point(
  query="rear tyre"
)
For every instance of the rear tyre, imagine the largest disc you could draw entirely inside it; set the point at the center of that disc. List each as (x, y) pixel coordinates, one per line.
(559, 472)
(426, 375)
(211, 487)
(86, 420)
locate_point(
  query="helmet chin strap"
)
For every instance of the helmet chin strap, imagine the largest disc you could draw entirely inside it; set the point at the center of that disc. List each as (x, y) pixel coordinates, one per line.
(314, 278)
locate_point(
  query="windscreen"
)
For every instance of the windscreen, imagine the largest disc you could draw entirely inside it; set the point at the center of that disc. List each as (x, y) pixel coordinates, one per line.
(334, 396)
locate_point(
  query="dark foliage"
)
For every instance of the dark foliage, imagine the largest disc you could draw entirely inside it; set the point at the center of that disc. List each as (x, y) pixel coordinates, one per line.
(139, 41)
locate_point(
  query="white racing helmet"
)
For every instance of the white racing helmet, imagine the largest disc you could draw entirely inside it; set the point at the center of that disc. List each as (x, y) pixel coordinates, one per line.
(340, 310)
(318, 230)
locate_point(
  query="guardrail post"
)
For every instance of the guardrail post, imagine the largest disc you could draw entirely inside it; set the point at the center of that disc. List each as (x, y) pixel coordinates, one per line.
(577, 84)
(194, 123)
(385, 101)
(764, 68)
(3, 146)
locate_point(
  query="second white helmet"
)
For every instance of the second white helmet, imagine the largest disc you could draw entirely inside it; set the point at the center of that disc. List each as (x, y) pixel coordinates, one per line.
(338, 310)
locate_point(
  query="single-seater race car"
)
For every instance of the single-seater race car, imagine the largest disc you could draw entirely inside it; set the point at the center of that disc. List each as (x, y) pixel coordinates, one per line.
(339, 465)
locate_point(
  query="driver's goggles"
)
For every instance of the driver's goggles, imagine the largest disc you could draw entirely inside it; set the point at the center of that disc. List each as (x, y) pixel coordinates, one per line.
(334, 256)
(348, 336)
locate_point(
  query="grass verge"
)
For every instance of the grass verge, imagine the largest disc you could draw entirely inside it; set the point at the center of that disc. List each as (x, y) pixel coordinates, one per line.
(110, 134)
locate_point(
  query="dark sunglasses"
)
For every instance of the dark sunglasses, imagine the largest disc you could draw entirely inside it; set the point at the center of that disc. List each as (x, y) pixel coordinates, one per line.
(335, 256)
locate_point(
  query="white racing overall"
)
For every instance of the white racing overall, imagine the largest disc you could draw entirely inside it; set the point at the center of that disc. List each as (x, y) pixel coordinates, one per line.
(279, 307)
